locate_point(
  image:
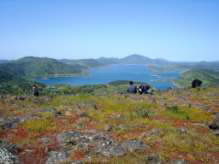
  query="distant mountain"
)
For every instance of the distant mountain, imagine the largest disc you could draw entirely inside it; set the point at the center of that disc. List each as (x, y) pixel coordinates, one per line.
(32, 67)
(107, 61)
(131, 59)
(83, 62)
(135, 59)
(92, 62)
(139, 59)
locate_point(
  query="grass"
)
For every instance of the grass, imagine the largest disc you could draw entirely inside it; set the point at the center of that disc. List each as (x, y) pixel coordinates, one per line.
(39, 125)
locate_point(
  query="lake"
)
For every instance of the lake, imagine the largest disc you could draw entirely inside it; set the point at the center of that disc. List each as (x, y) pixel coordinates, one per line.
(106, 74)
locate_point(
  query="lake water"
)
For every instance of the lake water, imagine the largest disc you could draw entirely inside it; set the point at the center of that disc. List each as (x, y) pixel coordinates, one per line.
(106, 74)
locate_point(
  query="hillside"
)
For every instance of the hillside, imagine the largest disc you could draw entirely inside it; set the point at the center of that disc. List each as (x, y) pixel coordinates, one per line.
(167, 127)
(209, 77)
(12, 84)
(201, 65)
(32, 67)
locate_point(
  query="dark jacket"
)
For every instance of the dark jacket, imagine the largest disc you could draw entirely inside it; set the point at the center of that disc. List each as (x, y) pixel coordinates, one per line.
(132, 89)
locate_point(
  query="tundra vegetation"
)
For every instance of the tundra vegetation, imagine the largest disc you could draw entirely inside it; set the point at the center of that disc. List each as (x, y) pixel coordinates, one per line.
(103, 124)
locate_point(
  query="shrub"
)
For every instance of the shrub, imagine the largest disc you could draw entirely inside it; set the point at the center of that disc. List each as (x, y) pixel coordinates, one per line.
(175, 111)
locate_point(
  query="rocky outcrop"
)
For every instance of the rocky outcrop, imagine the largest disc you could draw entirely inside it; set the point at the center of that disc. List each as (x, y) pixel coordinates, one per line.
(100, 143)
(215, 124)
(7, 153)
(56, 157)
(7, 157)
(7, 123)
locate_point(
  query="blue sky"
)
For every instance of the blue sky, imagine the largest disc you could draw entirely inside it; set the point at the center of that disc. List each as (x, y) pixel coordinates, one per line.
(178, 30)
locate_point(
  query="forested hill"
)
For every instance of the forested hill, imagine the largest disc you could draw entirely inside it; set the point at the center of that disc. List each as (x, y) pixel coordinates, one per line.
(208, 77)
(14, 84)
(32, 67)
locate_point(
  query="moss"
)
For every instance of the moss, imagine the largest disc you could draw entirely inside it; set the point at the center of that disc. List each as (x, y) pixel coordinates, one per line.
(39, 125)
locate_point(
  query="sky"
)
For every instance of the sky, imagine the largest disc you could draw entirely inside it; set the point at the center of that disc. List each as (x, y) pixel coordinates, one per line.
(177, 30)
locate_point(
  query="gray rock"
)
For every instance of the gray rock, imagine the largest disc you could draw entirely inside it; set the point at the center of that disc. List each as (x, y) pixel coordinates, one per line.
(216, 132)
(182, 130)
(82, 114)
(22, 98)
(112, 150)
(8, 123)
(7, 158)
(133, 145)
(215, 124)
(10, 147)
(45, 140)
(178, 161)
(108, 128)
(56, 157)
(154, 132)
(67, 137)
(76, 162)
(2, 96)
(100, 143)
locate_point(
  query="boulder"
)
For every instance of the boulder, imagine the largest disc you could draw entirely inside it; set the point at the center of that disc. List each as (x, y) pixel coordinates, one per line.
(215, 124)
(99, 142)
(182, 130)
(111, 150)
(154, 132)
(7, 157)
(178, 161)
(7, 123)
(12, 148)
(133, 145)
(56, 157)
(22, 98)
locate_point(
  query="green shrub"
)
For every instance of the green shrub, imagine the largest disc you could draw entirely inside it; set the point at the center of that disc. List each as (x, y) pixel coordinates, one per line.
(175, 111)
(144, 113)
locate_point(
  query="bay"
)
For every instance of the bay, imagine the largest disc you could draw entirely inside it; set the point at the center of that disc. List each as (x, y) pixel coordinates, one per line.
(106, 74)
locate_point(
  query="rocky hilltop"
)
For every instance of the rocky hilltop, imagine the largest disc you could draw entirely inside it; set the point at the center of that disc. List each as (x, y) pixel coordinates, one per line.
(174, 126)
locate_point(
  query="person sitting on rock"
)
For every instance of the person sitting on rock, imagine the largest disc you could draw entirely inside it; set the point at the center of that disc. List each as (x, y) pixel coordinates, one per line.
(35, 90)
(143, 89)
(132, 88)
(196, 83)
